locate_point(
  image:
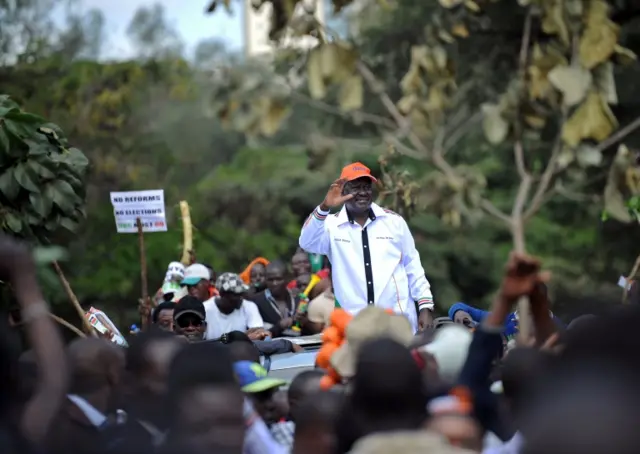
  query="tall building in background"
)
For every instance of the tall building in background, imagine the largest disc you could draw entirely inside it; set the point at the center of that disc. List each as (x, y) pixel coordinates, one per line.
(257, 25)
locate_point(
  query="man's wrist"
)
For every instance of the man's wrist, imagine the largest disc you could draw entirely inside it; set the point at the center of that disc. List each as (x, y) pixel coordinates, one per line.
(425, 304)
(323, 208)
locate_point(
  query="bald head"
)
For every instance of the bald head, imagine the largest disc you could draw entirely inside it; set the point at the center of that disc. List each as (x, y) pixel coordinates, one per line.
(94, 364)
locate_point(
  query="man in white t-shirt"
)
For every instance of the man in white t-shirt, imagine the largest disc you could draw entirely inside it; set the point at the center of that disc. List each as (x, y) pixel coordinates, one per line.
(231, 312)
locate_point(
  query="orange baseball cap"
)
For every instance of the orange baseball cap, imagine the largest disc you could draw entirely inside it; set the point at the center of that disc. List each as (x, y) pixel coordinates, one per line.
(356, 170)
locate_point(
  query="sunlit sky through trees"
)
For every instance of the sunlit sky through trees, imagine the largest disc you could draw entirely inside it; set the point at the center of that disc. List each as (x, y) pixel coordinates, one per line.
(188, 18)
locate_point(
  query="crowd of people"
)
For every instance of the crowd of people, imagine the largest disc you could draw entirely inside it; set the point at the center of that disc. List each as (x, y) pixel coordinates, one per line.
(390, 376)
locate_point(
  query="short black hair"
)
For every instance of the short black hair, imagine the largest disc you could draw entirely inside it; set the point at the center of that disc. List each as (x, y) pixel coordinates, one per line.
(196, 365)
(241, 347)
(244, 351)
(161, 307)
(520, 371)
(189, 304)
(136, 355)
(319, 409)
(235, 336)
(299, 382)
(277, 265)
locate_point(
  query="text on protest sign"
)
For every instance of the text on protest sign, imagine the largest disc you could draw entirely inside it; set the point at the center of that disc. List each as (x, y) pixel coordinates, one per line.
(148, 206)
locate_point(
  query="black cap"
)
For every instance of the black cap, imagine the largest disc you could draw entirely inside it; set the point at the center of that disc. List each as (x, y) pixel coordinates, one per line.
(189, 305)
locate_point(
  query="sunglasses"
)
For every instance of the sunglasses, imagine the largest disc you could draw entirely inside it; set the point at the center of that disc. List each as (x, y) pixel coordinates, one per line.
(187, 321)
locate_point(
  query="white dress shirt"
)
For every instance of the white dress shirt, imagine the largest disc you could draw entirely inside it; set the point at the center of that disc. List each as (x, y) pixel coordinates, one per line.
(375, 264)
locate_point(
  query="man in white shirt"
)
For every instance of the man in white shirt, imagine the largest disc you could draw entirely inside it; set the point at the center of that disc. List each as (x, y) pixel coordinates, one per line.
(230, 311)
(372, 252)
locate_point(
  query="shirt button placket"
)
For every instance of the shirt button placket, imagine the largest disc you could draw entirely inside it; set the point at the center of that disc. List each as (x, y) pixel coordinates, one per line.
(367, 266)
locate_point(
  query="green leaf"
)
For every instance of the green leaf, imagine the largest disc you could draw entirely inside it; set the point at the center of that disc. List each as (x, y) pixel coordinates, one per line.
(4, 110)
(40, 169)
(73, 180)
(41, 204)
(13, 222)
(16, 124)
(80, 214)
(52, 224)
(5, 143)
(44, 255)
(38, 148)
(24, 117)
(69, 224)
(17, 146)
(51, 130)
(8, 185)
(31, 218)
(62, 194)
(26, 177)
(77, 158)
(604, 216)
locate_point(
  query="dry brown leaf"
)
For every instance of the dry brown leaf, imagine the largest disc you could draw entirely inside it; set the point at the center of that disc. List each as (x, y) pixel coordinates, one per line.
(572, 81)
(535, 121)
(472, 6)
(600, 37)
(605, 82)
(543, 60)
(450, 3)
(460, 30)
(624, 56)
(495, 127)
(273, 115)
(406, 103)
(593, 119)
(412, 81)
(351, 93)
(553, 21)
(315, 77)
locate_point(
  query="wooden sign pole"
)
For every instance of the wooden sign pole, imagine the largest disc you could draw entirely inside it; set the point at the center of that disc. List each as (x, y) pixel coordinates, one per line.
(143, 277)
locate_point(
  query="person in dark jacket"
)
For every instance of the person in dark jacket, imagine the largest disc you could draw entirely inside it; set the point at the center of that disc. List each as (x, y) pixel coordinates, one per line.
(147, 365)
(276, 304)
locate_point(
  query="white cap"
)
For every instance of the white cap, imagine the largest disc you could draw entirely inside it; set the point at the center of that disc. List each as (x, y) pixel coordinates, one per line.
(449, 347)
(195, 273)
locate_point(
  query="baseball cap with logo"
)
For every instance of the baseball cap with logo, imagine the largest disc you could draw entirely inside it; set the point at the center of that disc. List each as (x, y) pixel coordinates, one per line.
(356, 170)
(231, 283)
(195, 273)
(253, 377)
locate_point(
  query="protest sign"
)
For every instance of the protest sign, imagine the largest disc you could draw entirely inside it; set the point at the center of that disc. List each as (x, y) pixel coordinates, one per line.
(148, 206)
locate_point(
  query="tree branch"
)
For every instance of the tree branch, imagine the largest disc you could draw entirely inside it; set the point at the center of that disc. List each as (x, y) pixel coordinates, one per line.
(460, 131)
(619, 135)
(518, 148)
(402, 148)
(334, 110)
(491, 209)
(547, 175)
(421, 151)
(403, 123)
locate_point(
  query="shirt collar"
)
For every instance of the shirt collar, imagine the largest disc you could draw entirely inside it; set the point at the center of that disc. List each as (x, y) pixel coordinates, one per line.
(374, 212)
(95, 416)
